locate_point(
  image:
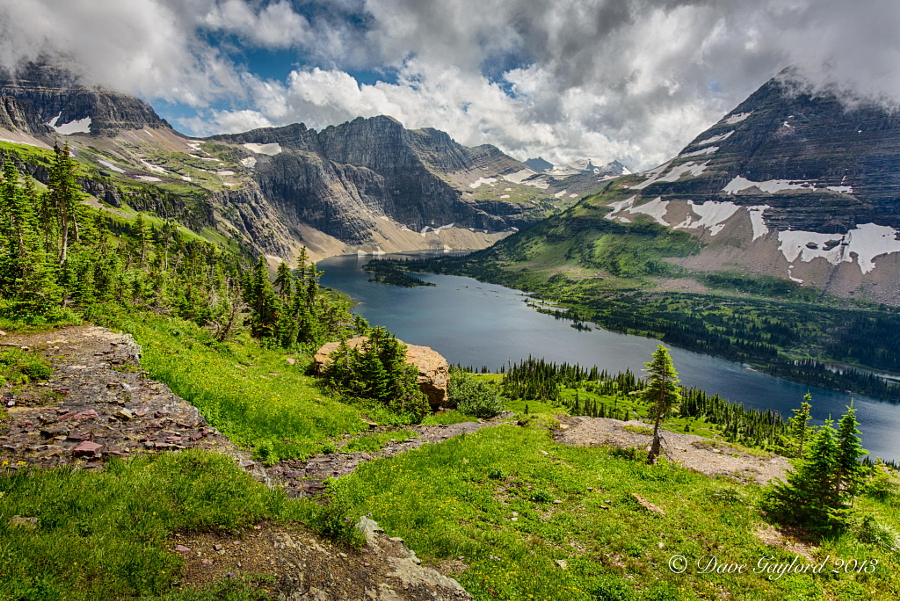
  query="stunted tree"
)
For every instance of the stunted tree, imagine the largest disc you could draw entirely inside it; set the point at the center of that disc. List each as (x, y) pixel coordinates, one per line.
(825, 481)
(661, 392)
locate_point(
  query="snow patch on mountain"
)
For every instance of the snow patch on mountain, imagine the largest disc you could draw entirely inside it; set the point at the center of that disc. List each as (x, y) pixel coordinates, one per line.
(771, 186)
(860, 245)
(714, 139)
(110, 166)
(481, 181)
(757, 221)
(698, 153)
(737, 118)
(679, 171)
(79, 126)
(249, 162)
(153, 168)
(270, 149)
(713, 216)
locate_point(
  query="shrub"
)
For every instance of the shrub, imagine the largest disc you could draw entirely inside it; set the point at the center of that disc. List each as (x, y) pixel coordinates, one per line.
(377, 370)
(473, 397)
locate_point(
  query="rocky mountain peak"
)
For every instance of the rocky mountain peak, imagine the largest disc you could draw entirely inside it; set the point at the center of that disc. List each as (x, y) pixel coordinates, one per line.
(56, 96)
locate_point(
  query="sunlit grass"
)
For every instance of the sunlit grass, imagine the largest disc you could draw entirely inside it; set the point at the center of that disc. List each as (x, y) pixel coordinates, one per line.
(251, 394)
(490, 499)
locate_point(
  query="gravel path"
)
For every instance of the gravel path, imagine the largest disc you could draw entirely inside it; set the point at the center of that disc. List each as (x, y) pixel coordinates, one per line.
(98, 404)
(306, 478)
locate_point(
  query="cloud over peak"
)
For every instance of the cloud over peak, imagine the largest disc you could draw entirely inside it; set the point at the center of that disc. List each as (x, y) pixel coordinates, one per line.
(627, 79)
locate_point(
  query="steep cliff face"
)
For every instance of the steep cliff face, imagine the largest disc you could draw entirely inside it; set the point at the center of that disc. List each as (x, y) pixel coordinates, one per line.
(18, 115)
(793, 185)
(347, 179)
(369, 185)
(55, 94)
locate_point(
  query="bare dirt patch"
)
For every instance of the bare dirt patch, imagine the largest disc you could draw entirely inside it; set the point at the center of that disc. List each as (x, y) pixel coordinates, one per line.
(302, 566)
(713, 458)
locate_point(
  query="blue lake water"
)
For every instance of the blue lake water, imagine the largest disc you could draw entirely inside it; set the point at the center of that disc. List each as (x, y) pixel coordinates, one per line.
(478, 324)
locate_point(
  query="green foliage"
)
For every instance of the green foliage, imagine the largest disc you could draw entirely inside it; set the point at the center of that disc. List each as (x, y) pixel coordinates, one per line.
(376, 370)
(391, 272)
(798, 429)
(446, 501)
(105, 535)
(473, 397)
(872, 532)
(20, 367)
(282, 416)
(794, 335)
(596, 393)
(883, 482)
(824, 482)
(372, 443)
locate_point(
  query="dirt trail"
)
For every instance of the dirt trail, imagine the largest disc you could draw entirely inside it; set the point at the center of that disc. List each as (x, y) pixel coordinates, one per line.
(306, 478)
(98, 404)
(703, 455)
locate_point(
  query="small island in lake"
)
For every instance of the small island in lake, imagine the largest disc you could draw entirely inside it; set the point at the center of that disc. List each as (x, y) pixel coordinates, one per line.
(392, 273)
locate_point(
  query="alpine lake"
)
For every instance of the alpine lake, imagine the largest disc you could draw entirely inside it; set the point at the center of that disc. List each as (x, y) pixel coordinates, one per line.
(477, 324)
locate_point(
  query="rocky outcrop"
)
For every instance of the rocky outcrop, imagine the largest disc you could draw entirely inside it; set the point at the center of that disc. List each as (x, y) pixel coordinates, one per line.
(98, 405)
(56, 95)
(434, 371)
(345, 178)
(304, 567)
(18, 114)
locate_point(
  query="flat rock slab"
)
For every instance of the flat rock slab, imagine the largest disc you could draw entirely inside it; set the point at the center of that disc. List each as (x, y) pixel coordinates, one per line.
(97, 405)
(703, 455)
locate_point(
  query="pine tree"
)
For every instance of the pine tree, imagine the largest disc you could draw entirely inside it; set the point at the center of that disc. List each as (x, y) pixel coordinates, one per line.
(283, 281)
(65, 198)
(808, 497)
(850, 472)
(798, 428)
(661, 392)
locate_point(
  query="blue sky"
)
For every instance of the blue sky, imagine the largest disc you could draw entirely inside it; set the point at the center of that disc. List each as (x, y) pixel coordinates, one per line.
(633, 80)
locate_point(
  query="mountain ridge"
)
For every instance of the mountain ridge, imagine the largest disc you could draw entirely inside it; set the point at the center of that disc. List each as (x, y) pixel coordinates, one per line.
(367, 185)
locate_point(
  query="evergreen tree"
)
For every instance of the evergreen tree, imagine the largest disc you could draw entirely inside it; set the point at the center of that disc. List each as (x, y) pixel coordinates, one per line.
(809, 496)
(798, 427)
(65, 198)
(661, 392)
(283, 281)
(850, 471)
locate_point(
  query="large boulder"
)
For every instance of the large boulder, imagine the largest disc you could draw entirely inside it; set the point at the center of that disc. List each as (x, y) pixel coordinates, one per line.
(434, 371)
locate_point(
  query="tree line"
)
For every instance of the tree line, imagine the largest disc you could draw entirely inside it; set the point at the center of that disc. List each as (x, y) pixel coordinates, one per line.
(58, 255)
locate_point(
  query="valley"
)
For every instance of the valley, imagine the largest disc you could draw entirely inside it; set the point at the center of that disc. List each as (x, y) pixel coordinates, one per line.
(166, 433)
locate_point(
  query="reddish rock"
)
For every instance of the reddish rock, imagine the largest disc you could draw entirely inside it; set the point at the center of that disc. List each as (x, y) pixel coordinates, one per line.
(87, 449)
(77, 417)
(182, 549)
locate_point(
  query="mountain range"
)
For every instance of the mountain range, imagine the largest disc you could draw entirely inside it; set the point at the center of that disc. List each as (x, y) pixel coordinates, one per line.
(791, 184)
(367, 186)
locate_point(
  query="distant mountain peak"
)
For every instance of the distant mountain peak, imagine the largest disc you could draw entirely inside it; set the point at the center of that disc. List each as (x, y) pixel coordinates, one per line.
(539, 164)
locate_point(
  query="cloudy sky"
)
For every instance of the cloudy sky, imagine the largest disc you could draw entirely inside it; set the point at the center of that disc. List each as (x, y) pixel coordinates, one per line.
(633, 80)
